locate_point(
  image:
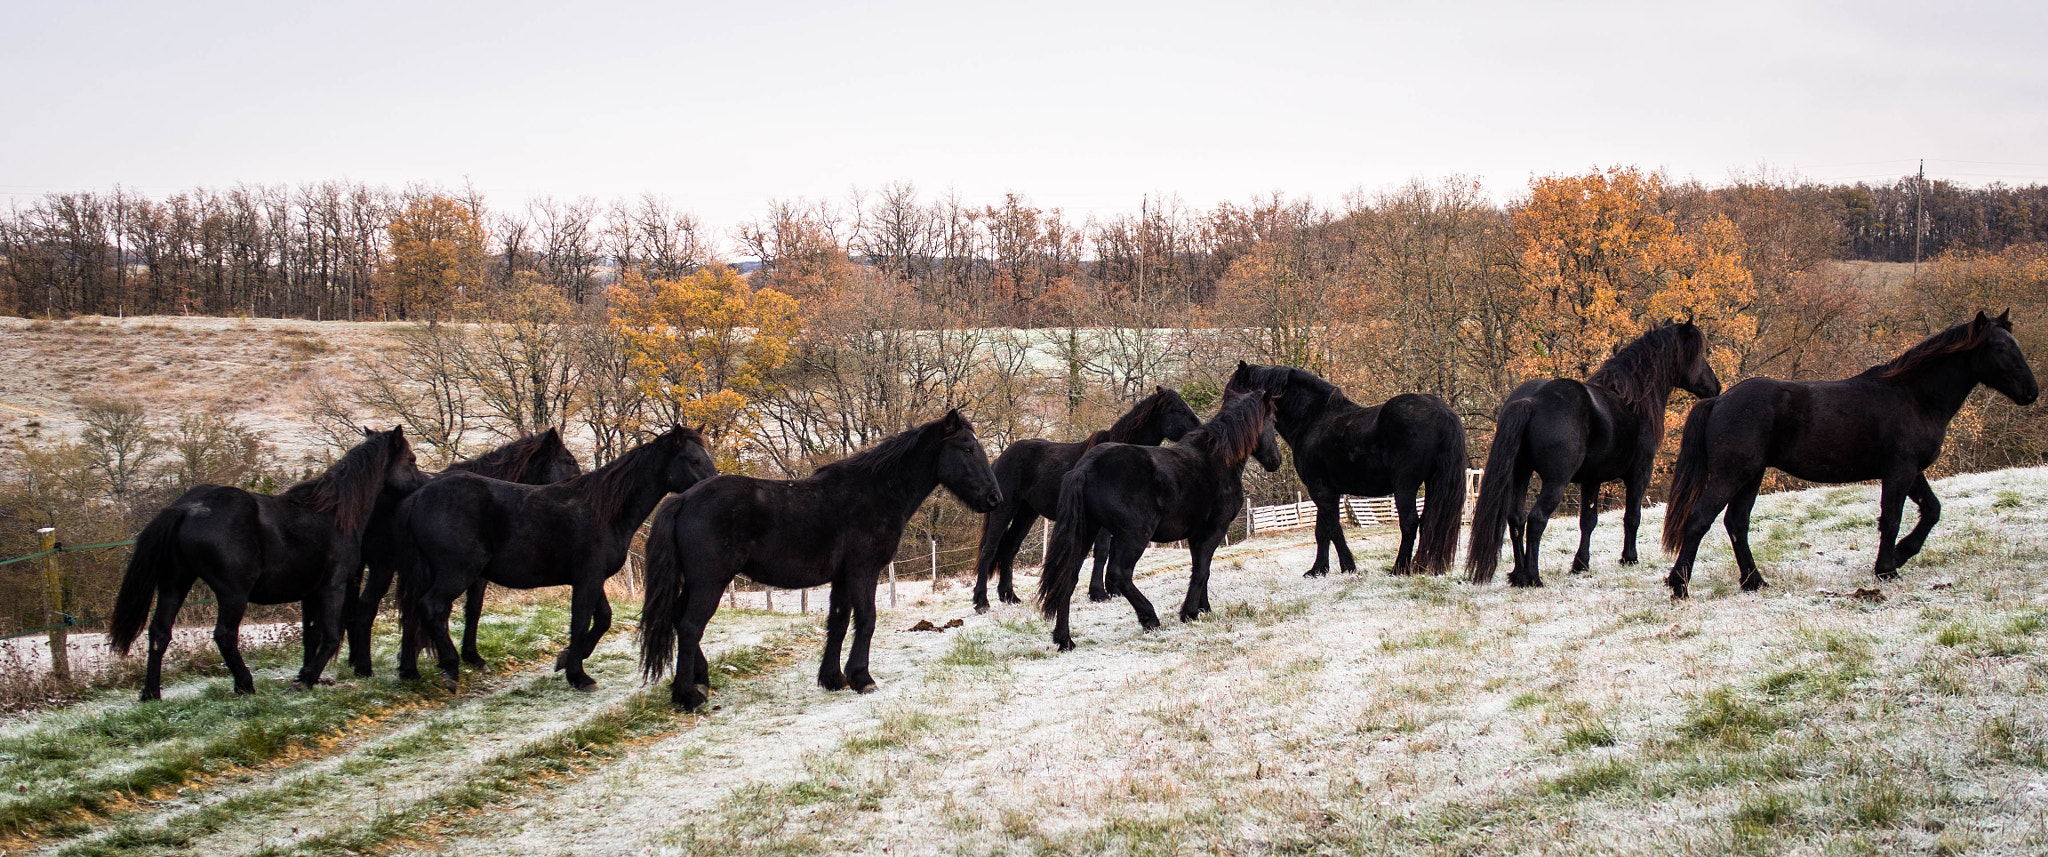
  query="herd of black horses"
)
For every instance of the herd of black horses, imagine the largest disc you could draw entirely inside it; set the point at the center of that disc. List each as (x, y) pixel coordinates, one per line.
(526, 516)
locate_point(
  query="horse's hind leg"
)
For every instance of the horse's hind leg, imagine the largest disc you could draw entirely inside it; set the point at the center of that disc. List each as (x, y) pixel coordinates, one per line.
(863, 632)
(1930, 512)
(1737, 524)
(170, 595)
(1714, 496)
(1589, 517)
(227, 636)
(1123, 562)
(690, 692)
(323, 631)
(473, 613)
(1330, 519)
(1518, 516)
(1098, 585)
(1411, 523)
(830, 677)
(1526, 573)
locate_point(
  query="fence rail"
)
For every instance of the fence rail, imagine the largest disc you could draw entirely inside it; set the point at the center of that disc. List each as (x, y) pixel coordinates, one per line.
(1362, 511)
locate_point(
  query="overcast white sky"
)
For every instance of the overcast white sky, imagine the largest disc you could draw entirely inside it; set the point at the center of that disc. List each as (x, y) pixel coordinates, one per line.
(1081, 106)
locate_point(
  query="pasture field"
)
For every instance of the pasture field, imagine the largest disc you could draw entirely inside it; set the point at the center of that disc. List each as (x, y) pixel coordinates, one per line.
(1347, 714)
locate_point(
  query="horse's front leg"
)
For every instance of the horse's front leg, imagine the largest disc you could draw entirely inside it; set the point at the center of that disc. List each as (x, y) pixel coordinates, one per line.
(364, 615)
(472, 614)
(829, 675)
(1197, 601)
(323, 632)
(1930, 513)
(583, 638)
(1589, 517)
(1632, 515)
(1891, 507)
(863, 633)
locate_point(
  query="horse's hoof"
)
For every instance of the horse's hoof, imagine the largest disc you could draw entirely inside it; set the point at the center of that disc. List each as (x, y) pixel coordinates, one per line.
(1186, 616)
(152, 695)
(1098, 596)
(1149, 624)
(866, 688)
(585, 686)
(981, 607)
(832, 682)
(562, 660)
(1316, 572)
(686, 698)
(448, 683)
(1629, 560)
(297, 687)
(480, 665)
(703, 690)
(1064, 644)
(1888, 574)
(1679, 593)
(1010, 598)
(409, 675)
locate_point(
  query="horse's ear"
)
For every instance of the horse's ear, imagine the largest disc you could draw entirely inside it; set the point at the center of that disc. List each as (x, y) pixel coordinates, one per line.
(398, 431)
(953, 421)
(366, 430)
(1980, 320)
(1159, 389)
(2005, 319)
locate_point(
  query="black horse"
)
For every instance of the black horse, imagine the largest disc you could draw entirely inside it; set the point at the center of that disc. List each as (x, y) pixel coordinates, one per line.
(1886, 424)
(1029, 474)
(462, 527)
(1588, 434)
(1141, 494)
(1341, 448)
(537, 459)
(302, 545)
(839, 526)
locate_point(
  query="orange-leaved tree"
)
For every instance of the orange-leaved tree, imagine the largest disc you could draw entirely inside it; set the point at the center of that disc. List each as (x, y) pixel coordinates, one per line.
(1601, 261)
(436, 258)
(705, 346)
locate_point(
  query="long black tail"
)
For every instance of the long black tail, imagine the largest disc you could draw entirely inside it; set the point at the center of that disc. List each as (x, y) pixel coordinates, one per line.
(1437, 545)
(1496, 490)
(1688, 476)
(1072, 536)
(156, 556)
(665, 600)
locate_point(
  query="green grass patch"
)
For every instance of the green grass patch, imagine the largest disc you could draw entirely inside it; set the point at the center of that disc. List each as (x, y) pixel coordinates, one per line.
(1587, 734)
(1432, 638)
(1591, 778)
(1731, 720)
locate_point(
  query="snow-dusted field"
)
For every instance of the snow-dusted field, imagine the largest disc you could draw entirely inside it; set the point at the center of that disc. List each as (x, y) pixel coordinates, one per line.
(1346, 714)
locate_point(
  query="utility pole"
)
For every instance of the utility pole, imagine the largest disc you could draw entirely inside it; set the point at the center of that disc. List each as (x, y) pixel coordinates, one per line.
(1919, 214)
(1144, 229)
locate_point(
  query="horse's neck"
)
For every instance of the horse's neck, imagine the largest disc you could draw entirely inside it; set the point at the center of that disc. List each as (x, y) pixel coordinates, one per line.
(1941, 384)
(903, 489)
(1294, 424)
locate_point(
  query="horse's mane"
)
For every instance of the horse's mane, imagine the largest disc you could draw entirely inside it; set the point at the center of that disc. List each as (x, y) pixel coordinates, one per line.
(350, 486)
(510, 461)
(1234, 432)
(607, 488)
(1301, 392)
(1090, 441)
(1962, 337)
(1640, 374)
(1146, 410)
(881, 458)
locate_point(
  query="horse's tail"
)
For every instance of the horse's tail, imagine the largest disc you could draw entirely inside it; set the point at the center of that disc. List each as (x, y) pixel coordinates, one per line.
(663, 603)
(1496, 490)
(1688, 476)
(156, 556)
(1072, 536)
(1437, 544)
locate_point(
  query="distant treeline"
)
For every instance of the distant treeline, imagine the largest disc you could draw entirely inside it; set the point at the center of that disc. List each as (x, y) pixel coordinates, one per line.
(323, 251)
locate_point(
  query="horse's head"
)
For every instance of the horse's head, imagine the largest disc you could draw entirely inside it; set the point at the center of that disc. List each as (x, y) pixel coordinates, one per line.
(1268, 450)
(401, 470)
(963, 464)
(688, 461)
(1176, 419)
(1998, 363)
(555, 462)
(1697, 376)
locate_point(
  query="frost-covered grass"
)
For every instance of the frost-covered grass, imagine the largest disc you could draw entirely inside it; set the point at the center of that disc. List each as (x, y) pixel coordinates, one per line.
(1349, 714)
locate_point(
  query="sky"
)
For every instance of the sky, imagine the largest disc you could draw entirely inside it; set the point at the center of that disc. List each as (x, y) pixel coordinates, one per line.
(1087, 107)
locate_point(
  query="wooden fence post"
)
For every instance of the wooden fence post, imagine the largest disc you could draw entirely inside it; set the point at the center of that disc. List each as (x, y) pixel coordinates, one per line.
(935, 565)
(53, 597)
(892, 584)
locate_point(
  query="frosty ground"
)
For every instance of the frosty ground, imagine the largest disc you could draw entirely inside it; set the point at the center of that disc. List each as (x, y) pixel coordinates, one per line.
(1359, 713)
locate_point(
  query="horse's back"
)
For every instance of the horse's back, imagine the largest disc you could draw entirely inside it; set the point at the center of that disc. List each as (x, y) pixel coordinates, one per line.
(1030, 470)
(1822, 431)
